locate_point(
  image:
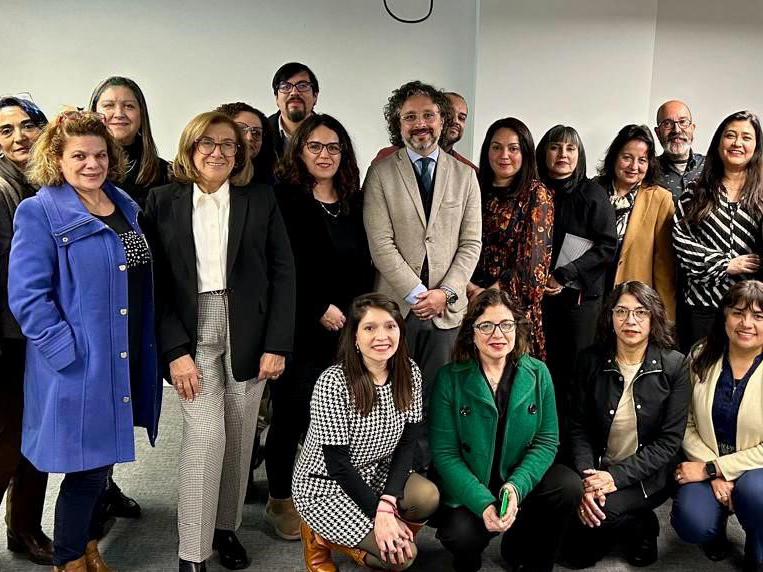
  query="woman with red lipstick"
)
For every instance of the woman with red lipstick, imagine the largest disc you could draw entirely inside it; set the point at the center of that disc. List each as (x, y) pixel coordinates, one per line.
(517, 220)
(643, 215)
(353, 484)
(718, 219)
(493, 430)
(573, 295)
(320, 199)
(124, 105)
(630, 398)
(724, 433)
(21, 123)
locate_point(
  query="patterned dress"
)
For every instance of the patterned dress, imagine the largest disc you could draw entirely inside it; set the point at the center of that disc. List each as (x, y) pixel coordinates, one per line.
(516, 249)
(372, 440)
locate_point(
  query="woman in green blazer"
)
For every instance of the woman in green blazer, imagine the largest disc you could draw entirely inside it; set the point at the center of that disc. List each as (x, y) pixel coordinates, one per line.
(493, 428)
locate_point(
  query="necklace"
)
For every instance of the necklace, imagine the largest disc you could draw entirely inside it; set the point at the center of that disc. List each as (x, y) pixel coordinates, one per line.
(327, 211)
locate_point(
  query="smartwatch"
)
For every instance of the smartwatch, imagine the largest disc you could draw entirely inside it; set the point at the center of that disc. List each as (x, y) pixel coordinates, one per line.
(710, 470)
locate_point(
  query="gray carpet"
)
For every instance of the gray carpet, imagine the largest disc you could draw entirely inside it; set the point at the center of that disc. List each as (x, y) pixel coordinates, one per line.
(150, 544)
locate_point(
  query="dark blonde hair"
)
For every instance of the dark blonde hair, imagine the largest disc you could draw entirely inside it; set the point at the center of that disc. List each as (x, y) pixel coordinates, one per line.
(184, 169)
(43, 168)
(464, 348)
(149, 169)
(359, 381)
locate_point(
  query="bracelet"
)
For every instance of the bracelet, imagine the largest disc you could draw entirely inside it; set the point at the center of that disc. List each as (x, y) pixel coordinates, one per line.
(378, 510)
(390, 503)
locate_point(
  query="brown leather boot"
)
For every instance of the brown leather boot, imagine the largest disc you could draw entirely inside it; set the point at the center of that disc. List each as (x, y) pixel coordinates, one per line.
(356, 554)
(77, 565)
(316, 550)
(94, 560)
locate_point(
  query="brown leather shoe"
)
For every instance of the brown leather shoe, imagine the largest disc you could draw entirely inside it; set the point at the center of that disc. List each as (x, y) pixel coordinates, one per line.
(77, 565)
(316, 550)
(356, 554)
(94, 560)
(37, 546)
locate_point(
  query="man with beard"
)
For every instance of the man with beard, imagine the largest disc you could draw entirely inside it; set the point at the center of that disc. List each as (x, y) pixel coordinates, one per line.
(451, 135)
(678, 163)
(296, 90)
(424, 224)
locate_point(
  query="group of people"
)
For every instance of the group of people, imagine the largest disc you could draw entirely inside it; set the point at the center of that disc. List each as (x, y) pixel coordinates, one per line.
(488, 349)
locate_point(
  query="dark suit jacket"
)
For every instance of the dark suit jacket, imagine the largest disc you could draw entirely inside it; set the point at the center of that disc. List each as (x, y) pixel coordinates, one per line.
(260, 274)
(275, 129)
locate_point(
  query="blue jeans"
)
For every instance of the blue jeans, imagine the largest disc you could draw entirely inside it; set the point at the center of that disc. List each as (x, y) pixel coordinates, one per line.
(77, 502)
(698, 517)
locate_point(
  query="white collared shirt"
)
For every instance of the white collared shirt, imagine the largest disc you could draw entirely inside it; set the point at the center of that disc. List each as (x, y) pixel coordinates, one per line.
(414, 157)
(211, 213)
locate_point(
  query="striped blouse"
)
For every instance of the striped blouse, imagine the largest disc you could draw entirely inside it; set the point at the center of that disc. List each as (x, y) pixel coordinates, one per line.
(705, 250)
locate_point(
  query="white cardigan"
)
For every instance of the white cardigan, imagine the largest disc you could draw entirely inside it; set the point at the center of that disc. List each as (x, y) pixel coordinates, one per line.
(699, 440)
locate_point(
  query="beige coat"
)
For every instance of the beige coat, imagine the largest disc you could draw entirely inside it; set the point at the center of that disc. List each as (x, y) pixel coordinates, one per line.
(699, 440)
(399, 236)
(647, 252)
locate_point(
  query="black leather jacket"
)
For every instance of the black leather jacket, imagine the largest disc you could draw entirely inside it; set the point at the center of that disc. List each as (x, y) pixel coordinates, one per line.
(661, 393)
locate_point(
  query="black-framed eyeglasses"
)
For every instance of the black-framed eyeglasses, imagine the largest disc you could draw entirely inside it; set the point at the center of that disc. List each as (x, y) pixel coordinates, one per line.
(668, 124)
(254, 132)
(621, 313)
(287, 86)
(315, 147)
(488, 328)
(207, 147)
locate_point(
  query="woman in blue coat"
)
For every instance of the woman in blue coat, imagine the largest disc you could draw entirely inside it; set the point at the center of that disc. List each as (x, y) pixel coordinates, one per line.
(80, 286)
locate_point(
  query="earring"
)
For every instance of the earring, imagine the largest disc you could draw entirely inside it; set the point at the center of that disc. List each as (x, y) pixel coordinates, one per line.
(357, 348)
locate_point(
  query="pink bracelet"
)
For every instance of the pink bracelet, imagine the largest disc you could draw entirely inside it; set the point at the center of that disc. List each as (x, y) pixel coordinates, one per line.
(378, 510)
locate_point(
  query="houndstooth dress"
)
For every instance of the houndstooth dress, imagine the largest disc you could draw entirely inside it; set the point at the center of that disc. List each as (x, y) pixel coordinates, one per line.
(320, 501)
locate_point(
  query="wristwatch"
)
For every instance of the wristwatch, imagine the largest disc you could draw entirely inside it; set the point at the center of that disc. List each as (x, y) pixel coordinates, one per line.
(710, 470)
(450, 296)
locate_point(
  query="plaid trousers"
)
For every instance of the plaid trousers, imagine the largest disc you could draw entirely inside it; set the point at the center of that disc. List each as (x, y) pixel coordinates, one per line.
(218, 432)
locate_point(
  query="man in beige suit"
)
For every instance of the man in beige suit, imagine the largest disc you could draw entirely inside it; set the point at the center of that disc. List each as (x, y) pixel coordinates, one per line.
(424, 223)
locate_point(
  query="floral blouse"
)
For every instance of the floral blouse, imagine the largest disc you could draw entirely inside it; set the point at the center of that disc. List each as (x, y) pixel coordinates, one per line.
(516, 249)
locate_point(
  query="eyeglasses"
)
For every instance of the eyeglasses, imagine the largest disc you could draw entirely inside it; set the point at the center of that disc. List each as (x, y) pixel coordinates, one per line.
(287, 86)
(207, 147)
(488, 328)
(621, 313)
(254, 132)
(668, 124)
(315, 147)
(427, 116)
(65, 116)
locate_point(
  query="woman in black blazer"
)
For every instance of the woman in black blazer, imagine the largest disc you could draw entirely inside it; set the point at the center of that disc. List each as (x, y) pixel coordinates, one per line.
(319, 195)
(225, 300)
(627, 422)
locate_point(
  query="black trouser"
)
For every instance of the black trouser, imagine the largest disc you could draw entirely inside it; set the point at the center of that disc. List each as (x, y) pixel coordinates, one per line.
(629, 515)
(570, 327)
(290, 396)
(77, 508)
(534, 538)
(27, 493)
(699, 322)
(430, 347)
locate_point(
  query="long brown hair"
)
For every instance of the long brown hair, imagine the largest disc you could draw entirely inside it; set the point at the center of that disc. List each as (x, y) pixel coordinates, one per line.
(150, 167)
(707, 191)
(708, 351)
(464, 348)
(359, 380)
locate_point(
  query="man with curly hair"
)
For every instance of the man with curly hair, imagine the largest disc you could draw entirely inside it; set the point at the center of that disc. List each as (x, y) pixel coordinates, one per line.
(424, 224)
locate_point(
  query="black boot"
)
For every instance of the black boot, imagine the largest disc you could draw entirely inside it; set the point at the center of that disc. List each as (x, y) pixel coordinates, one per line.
(187, 566)
(643, 547)
(37, 546)
(119, 504)
(232, 554)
